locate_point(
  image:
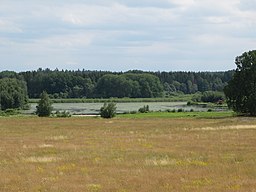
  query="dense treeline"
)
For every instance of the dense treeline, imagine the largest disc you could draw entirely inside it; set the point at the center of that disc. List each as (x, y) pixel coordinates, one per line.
(192, 82)
(104, 84)
(129, 85)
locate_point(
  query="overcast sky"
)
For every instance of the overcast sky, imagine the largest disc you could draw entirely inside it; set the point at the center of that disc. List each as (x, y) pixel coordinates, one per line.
(120, 35)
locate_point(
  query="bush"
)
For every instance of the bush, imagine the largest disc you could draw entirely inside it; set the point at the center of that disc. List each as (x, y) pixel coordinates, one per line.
(108, 110)
(9, 112)
(144, 109)
(44, 108)
(197, 97)
(62, 114)
(180, 110)
(212, 96)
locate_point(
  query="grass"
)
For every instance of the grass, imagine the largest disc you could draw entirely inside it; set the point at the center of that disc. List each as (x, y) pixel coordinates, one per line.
(127, 155)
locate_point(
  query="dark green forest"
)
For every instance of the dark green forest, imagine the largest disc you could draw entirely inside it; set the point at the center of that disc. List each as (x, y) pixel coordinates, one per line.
(105, 84)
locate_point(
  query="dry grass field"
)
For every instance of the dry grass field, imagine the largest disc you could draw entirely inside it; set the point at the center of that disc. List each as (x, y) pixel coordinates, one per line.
(127, 155)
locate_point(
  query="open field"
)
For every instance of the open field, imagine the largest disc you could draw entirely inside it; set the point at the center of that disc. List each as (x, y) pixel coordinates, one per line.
(127, 155)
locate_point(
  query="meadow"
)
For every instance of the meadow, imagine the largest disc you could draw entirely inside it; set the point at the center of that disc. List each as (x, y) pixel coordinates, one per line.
(127, 154)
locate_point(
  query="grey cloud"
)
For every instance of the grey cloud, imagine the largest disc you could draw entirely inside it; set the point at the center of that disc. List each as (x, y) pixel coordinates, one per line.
(147, 3)
(247, 5)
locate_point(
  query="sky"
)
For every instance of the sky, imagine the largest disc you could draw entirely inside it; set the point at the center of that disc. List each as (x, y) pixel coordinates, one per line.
(121, 35)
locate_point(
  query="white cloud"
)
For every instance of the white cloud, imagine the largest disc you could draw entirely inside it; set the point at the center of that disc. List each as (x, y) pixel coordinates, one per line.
(247, 5)
(184, 4)
(114, 14)
(156, 32)
(9, 27)
(66, 41)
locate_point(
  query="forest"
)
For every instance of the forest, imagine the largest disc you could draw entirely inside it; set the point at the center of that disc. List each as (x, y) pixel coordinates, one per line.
(105, 84)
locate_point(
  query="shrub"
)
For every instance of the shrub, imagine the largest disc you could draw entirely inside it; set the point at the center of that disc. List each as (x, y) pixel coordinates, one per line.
(197, 97)
(62, 114)
(180, 110)
(212, 96)
(108, 110)
(9, 112)
(189, 103)
(144, 109)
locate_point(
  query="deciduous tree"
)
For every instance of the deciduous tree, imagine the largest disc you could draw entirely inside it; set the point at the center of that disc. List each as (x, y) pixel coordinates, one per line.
(13, 94)
(241, 90)
(44, 108)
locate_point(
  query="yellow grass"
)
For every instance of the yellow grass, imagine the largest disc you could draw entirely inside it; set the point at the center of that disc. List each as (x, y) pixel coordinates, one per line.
(127, 155)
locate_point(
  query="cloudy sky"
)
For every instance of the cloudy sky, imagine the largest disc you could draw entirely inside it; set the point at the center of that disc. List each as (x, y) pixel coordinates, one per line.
(119, 35)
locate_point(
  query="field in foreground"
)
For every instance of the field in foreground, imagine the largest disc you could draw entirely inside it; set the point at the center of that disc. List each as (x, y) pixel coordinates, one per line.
(127, 155)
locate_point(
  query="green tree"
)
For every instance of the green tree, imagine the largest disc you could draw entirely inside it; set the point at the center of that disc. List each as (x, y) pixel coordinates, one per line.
(108, 110)
(44, 107)
(241, 90)
(129, 85)
(13, 94)
(149, 85)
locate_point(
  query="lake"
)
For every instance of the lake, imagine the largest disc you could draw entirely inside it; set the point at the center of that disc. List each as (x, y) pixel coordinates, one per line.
(93, 108)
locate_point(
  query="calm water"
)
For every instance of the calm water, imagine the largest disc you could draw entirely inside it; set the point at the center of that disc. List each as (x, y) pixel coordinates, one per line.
(93, 108)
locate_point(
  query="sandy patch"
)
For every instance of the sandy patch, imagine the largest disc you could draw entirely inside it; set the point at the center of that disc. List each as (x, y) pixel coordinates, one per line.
(57, 138)
(233, 127)
(160, 161)
(46, 146)
(41, 159)
(85, 115)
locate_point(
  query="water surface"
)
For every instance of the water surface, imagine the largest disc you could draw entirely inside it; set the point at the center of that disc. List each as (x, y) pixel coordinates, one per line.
(93, 108)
